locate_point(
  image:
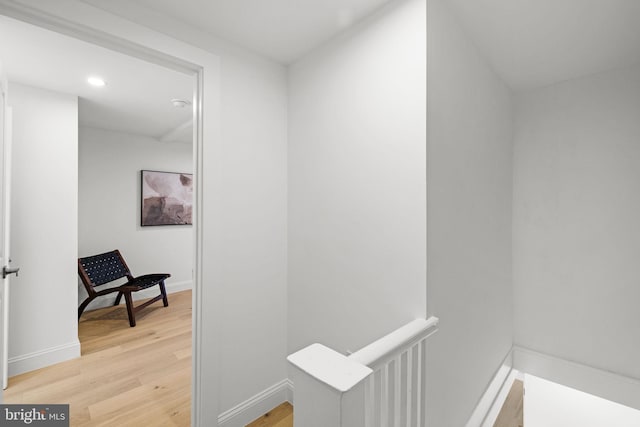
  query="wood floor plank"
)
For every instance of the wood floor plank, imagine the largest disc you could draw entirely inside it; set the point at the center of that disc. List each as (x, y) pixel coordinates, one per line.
(280, 416)
(285, 422)
(511, 414)
(126, 376)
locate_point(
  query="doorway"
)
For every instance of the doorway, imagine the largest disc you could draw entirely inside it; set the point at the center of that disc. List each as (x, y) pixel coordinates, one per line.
(91, 234)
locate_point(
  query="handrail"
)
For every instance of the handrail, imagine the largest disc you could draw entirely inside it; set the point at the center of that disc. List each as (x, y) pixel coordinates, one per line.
(329, 367)
(380, 385)
(405, 336)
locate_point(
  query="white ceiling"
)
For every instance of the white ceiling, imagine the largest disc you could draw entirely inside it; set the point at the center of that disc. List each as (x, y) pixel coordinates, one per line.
(282, 30)
(530, 43)
(137, 98)
(533, 43)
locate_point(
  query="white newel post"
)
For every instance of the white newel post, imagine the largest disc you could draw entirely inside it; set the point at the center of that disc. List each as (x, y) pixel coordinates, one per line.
(329, 388)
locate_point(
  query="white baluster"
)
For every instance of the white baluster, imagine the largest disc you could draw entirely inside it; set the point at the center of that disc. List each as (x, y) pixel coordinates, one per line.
(381, 385)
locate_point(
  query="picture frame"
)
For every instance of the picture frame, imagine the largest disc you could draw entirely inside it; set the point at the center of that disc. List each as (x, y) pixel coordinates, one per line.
(166, 198)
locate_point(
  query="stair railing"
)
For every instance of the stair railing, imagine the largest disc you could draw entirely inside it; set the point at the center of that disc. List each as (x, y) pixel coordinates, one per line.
(380, 385)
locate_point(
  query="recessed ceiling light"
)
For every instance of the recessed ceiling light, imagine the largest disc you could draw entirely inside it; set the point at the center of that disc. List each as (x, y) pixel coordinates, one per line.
(96, 81)
(180, 103)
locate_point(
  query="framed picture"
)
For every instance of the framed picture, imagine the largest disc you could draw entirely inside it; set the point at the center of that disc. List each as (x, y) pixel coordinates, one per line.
(167, 198)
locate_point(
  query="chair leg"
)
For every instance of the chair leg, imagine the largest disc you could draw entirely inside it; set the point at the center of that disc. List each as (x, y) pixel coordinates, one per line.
(84, 305)
(130, 310)
(163, 291)
(118, 299)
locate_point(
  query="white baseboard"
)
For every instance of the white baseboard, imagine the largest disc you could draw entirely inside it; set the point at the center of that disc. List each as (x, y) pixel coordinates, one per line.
(494, 396)
(608, 385)
(107, 300)
(256, 406)
(42, 358)
(290, 391)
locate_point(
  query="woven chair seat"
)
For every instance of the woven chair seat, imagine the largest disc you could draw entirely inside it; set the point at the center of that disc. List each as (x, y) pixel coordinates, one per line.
(144, 282)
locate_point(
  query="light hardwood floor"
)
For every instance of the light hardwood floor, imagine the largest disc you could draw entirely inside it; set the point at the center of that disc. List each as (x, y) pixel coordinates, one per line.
(126, 376)
(511, 413)
(281, 416)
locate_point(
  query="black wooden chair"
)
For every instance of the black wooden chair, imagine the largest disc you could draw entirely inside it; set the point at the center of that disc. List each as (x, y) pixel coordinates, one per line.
(101, 269)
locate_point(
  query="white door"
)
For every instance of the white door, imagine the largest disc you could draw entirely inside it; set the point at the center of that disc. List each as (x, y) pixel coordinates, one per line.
(5, 198)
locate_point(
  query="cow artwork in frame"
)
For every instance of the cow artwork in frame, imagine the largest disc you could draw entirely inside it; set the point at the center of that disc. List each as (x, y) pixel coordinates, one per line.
(167, 198)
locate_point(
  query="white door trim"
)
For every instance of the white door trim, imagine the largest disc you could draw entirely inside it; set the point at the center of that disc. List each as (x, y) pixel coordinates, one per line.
(8, 135)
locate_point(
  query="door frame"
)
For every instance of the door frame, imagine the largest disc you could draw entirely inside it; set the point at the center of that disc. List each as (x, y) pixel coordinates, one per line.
(3, 230)
(6, 253)
(201, 412)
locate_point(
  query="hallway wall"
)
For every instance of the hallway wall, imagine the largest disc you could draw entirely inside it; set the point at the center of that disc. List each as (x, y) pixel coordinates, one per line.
(43, 327)
(469, 177)
(357, 182)
(576, 209)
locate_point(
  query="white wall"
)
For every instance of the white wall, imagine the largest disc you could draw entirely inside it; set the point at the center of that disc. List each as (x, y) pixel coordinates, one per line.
(469, 177)
(109, 206)
(576, 209)
(43, 325)
(253, 291)
(357, 190)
